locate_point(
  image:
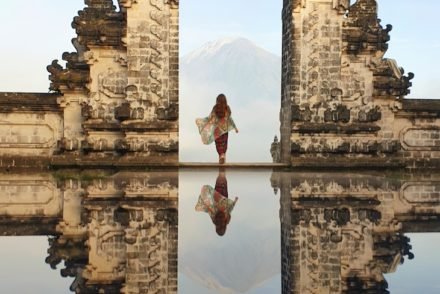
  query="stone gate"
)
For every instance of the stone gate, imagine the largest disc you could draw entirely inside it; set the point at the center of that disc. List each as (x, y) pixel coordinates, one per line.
(343, 103)
(116, 100)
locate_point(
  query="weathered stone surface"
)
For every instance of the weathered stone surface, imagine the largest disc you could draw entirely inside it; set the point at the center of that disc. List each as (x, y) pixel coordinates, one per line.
(117, 92)
(341, 232)
(115, 233)
(341, 100)
(12, 102)
(31, 124)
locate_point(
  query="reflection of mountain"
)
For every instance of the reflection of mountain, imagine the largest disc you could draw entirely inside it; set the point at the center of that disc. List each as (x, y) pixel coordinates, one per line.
(250, 78)
(237, 268)
(247, 258)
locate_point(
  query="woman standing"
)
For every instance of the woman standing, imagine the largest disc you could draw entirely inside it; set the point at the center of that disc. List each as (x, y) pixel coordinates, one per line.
(216, 127)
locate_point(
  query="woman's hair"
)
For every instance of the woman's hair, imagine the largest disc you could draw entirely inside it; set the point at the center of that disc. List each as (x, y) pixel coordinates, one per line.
(221, 107)
(220, 223)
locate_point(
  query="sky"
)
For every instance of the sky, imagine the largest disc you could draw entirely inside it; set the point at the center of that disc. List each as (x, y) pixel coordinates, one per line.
(33, 35)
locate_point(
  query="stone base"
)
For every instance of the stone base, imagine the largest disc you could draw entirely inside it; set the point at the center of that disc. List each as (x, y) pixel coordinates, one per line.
(109, 160)
(365, 162)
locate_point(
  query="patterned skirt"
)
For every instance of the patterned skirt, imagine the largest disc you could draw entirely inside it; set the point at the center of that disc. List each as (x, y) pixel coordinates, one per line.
(221, 144)
(221, 185)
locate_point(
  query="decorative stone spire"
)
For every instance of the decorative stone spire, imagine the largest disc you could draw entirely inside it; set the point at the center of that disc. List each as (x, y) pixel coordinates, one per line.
(75, 76)
(363, 31)
(100, 24)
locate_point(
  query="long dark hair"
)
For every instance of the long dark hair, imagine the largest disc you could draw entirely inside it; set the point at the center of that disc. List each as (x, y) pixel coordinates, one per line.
(221, 108)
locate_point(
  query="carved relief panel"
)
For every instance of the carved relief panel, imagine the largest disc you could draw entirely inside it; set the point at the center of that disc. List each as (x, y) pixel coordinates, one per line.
(152, 45)
(109, 82)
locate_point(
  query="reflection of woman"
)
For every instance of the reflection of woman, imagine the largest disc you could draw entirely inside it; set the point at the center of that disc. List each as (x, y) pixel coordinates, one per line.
(215, 202)
(216, 127)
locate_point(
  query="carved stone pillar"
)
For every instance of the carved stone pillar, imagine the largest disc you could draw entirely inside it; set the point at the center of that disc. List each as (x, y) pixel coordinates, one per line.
(73, 132)
(340, 97)
(126, 72)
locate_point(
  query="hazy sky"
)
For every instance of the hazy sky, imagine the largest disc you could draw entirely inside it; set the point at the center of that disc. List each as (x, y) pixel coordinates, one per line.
(34, 33)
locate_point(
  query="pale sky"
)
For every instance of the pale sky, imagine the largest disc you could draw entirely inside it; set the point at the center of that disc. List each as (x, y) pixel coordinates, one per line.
(34, 33)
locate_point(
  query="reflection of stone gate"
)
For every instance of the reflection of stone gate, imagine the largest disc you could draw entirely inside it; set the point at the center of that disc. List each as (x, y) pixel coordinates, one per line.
(115, 235)
(340, 232)
(115, 101)
(342, 102)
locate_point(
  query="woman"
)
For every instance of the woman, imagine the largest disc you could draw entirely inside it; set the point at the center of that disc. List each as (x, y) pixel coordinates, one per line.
(216, 127)
(216, 203)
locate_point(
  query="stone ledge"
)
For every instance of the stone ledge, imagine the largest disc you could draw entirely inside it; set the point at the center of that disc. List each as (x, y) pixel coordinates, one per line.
(359, 201)
(144, 202)
(317, 128)
(430, 224)
(38, 102)
(114, 161)
(347, 162)
(131, 127)
(422, 105)
(251, 165)
(28, 226)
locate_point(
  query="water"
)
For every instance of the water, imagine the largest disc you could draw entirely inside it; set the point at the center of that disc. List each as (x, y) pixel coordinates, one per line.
(287, 232)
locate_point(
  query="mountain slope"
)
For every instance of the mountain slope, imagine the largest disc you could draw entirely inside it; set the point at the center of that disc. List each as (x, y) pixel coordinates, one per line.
(247, 70)
(250, 77)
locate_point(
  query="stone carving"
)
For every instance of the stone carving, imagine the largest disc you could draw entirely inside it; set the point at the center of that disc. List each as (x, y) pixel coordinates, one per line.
(341, 232)
(341, 4)
(371, 115)
(158, 17)
(67, 144)
(340, 98)
(170, 113)
(68, 78)
(172, 2)
(301, 115)
(158, 4)
(127, 3)
(390, 81)
(275, 150)
(339, 146)
(112, 84)
(99, 24)
(143, 145)
(421, 138)
(123, 112)
(421, 193)
(340, 114)
(134, 57)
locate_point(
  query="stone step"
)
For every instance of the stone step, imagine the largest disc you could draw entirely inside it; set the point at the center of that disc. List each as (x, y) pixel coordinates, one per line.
(232, 165)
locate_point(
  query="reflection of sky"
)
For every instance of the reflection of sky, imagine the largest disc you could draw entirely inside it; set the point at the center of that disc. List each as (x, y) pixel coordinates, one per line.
(421, 274)
(23, 268)
(247, 258)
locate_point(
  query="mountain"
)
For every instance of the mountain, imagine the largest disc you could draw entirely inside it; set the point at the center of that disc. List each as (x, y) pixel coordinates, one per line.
(246, 69)
(250, 77)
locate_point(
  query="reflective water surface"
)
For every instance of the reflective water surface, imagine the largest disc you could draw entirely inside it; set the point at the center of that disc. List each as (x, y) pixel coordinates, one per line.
(219, 231)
